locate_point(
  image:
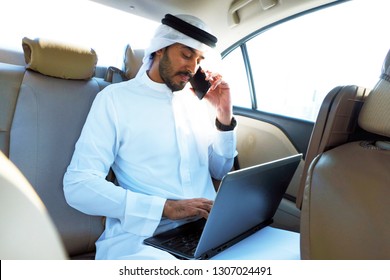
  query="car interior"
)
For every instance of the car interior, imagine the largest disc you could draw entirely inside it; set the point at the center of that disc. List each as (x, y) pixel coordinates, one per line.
(338, 199)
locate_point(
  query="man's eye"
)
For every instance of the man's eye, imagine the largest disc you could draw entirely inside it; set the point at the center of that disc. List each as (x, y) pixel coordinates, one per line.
(186, 55)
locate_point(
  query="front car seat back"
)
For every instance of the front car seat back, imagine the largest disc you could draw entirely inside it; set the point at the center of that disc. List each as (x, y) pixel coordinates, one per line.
(27, 231)
(346, 203)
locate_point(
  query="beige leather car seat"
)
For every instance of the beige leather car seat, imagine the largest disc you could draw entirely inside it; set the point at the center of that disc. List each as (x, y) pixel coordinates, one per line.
(44, 102)
(11, 77)
(53, 101)
(346, 204)
(27, 232)
(336, 124)
(132, 61)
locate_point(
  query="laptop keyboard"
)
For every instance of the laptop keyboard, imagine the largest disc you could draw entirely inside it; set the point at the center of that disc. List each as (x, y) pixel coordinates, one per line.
(184, 243)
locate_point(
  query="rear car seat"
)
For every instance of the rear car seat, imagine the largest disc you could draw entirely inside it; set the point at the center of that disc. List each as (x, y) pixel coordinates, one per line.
(346, 210)
(132, 61)
(11, 77)
(43, 106)
(51, 98)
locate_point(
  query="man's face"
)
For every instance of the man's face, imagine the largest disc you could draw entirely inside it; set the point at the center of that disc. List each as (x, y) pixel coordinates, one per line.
(178, 64)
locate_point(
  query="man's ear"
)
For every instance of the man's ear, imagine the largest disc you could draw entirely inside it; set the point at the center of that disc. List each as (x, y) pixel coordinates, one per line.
(160, 52)
(157, 55)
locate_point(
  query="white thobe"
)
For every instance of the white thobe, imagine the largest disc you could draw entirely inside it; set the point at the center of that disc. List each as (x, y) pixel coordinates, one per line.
(160, 145)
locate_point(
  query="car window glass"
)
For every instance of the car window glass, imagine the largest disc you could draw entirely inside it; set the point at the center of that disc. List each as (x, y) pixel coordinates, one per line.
(234, 73)
(296, 63)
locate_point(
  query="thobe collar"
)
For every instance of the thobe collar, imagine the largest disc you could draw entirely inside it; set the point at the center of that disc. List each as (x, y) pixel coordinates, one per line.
(159, 89)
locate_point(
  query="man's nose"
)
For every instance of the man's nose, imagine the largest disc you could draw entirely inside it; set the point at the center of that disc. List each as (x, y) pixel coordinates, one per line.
(192, 66)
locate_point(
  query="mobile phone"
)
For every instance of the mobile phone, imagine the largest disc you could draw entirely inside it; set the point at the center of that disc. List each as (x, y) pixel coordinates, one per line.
(200, 84)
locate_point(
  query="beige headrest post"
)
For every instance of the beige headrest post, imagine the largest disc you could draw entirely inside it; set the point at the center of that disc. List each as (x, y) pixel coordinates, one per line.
(59, 60)
(375, 115)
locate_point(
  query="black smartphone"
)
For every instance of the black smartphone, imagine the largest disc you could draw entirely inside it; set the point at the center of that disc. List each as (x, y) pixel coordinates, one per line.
(200, 84)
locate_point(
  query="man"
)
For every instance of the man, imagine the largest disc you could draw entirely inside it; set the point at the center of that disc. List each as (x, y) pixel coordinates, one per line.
(160, 143)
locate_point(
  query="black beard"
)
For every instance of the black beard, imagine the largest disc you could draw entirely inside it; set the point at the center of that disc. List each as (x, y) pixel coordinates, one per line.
(166, 73)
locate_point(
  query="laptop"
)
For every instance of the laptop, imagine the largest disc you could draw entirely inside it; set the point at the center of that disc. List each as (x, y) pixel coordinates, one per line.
(246, 202)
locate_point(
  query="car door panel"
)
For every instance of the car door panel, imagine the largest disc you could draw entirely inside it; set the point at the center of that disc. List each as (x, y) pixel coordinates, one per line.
(261, 140)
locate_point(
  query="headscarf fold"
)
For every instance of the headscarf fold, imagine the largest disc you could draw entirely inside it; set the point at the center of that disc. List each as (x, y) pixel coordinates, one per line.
(165, 36)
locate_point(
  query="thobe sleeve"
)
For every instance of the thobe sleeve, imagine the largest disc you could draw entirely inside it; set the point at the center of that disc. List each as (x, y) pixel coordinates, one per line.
(85, 186)
(222, 153)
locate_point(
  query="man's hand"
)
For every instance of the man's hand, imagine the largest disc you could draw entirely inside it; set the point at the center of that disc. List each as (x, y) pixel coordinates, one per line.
(219, 96)
(181, 209)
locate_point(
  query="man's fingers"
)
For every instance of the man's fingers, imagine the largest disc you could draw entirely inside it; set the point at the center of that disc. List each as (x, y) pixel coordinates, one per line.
(180, 209)
(200, 207)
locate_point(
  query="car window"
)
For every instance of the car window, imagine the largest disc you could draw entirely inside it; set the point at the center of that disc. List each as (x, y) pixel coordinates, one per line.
(237, 78)
(296, 63)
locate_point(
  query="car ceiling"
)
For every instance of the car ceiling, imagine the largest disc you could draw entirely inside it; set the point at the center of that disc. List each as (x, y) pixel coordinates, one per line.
(218, 14)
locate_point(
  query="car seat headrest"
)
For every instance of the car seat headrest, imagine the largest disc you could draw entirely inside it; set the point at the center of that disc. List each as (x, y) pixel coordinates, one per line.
(132, 61)
(58, 59)
(375, 114)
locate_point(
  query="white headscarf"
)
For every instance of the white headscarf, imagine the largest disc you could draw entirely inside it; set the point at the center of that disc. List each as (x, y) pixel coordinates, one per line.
(165, 36)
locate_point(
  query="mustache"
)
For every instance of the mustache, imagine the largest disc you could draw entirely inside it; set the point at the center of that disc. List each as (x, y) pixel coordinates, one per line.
(189, 74)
